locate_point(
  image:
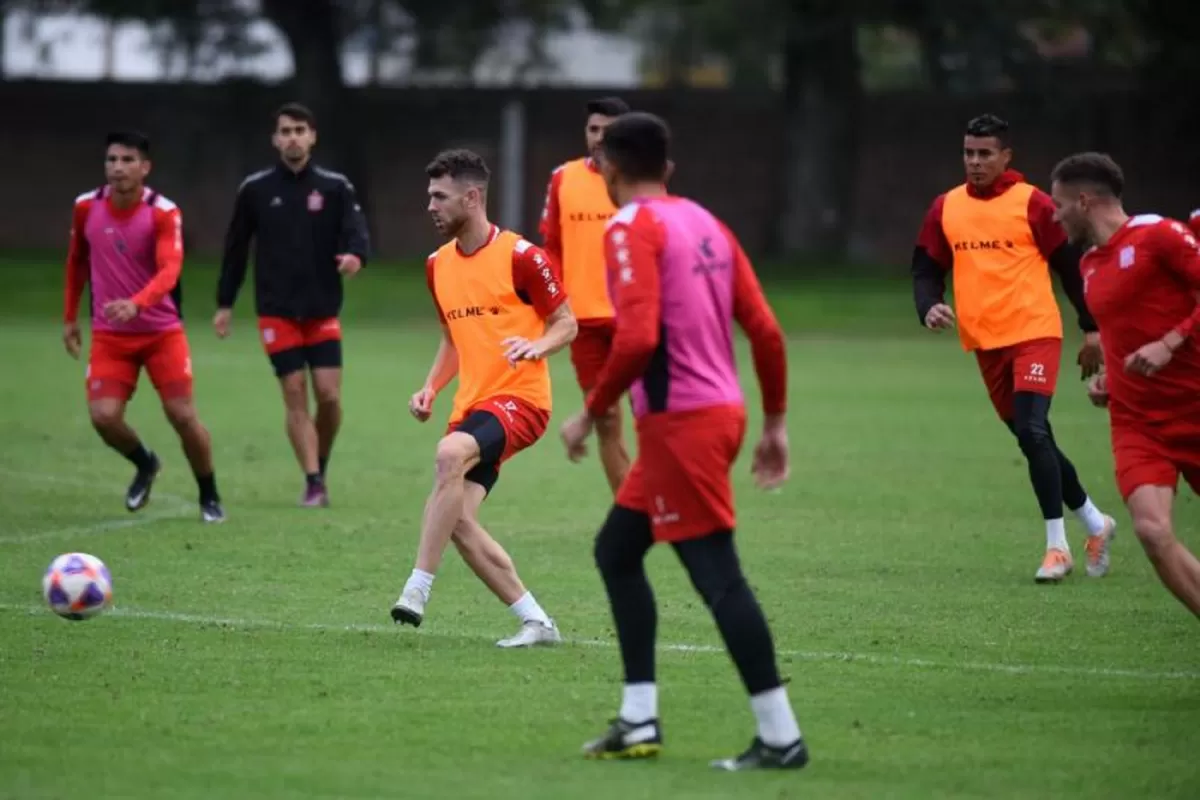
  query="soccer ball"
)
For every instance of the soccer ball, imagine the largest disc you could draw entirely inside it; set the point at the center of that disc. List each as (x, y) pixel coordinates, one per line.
(77, 586)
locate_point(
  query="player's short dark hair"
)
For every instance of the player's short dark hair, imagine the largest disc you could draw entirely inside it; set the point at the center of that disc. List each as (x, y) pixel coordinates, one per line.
(987, 125)
(296, 111)
(607, 106)
(132, 139)
(461, 165)
(638, 144)
(1097, 170)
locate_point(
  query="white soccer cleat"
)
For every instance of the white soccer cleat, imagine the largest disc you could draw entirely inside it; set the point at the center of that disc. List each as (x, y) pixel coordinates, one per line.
(532, 634)
(410, 608)
(1055, 566)
(1098, 547)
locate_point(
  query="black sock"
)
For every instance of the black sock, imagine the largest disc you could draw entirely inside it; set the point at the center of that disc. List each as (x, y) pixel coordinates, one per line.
(713, 566)
(314, 480)
(620, 551)
(323, 461)
(142, 458)
(208, 488)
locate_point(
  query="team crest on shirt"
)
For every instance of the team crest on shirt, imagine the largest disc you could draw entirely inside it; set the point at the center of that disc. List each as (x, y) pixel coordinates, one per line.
(1125, 257)
(315, 201)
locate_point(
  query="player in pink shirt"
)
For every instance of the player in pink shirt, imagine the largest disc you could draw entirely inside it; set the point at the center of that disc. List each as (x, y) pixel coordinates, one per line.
(127, 240)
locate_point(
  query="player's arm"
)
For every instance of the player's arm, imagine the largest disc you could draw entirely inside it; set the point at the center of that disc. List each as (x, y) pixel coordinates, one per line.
(536, 280)
(445, 361)
(168, 257)
(631, 251)
(1180, 254)
(932, 258)
(550, 226)
(78, 257)
(767, 345)
(237, 248)
(355, 239)
(1062, 256)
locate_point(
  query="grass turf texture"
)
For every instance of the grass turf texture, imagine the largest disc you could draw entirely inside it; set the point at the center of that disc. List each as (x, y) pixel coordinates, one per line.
(256, 659)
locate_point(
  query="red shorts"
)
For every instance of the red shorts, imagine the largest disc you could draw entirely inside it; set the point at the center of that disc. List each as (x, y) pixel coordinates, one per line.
(116, 359)
(280, 334)
(521, 424)
(681, 477)
(590, 349)
(1030, 366)
(1156, 455)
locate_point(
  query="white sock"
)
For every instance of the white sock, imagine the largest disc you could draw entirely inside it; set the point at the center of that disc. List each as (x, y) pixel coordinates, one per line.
(528, 610)
(1091, 517)
(777, 725)
(640, 702)
(420, 580)
(1056, 535)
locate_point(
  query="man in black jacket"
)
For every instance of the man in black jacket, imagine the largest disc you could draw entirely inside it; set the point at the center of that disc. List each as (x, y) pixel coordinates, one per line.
(309, 231)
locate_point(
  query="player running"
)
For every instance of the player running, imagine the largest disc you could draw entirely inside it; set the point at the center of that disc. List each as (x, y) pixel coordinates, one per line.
(998, 236)
(127, 240)
(502, 313)
(576, 211)
(1142, 282)
(310, 232)
(679, 279)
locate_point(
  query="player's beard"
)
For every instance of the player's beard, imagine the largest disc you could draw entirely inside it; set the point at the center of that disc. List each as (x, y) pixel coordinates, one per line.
(451, 227)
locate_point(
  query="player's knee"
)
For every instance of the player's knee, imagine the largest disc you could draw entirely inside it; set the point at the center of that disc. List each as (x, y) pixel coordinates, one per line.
(328, 396)
(1032, 435)
(1155, 534)
(295, 391)
(453, 454)
(181, 415)
(106, 416)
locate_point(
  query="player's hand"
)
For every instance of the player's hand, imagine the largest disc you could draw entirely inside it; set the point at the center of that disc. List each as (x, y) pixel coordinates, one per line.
(221, 321)
(1149, 358)
(940, 317)
(521, 349)
(1098, 390)
(1091, 357)
(770, 466)
(574, 433)
(420, 405)
(348, 264)
(120, 310)
(72, 339)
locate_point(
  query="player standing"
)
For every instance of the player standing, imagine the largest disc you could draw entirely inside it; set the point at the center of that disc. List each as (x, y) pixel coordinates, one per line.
(127, 241)
(503, 314)
(573, 219)
(998, 236)
(679, 280)
(309, 231)
(1142, 281)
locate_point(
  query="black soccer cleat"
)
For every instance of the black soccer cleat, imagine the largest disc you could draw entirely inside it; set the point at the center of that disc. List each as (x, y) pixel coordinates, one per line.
(211, 511)
(138, 493)
(626, 740)
(762, 756)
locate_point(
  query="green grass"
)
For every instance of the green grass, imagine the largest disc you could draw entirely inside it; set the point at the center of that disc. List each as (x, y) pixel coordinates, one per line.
(256, 659)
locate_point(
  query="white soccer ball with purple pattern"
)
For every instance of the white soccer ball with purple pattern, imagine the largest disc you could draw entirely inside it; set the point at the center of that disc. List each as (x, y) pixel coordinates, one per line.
(77, 586)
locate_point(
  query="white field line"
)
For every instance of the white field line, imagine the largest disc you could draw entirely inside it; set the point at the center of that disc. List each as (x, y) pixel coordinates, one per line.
(799, 655)
(174, 508)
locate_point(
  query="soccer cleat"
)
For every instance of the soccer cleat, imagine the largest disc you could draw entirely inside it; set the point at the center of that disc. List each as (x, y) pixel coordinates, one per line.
(1055, 566)
(211, 511)
(138, 493)
(1098, 546)
(532, 634)
(761, 755)
(627, 740)
(409, 609)
(315, 496)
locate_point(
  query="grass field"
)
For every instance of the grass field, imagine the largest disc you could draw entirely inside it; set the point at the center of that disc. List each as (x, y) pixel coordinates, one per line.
(257, 659)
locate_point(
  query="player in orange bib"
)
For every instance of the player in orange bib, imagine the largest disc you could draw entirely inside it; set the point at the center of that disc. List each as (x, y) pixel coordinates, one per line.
(503, 313)
(577, 209)
(997, 234)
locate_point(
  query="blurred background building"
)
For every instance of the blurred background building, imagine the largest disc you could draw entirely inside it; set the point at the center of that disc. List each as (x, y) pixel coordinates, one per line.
(818, 129)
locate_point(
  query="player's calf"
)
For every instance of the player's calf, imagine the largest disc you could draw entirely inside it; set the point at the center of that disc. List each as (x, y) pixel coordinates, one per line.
(1177, 567)
(197, 447)
(108, 418)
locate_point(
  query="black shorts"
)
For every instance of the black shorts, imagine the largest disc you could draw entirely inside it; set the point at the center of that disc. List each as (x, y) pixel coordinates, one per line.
(489, 434)
(322, 355)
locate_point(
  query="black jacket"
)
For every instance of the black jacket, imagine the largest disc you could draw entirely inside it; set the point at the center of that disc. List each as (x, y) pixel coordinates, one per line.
(300, 221)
